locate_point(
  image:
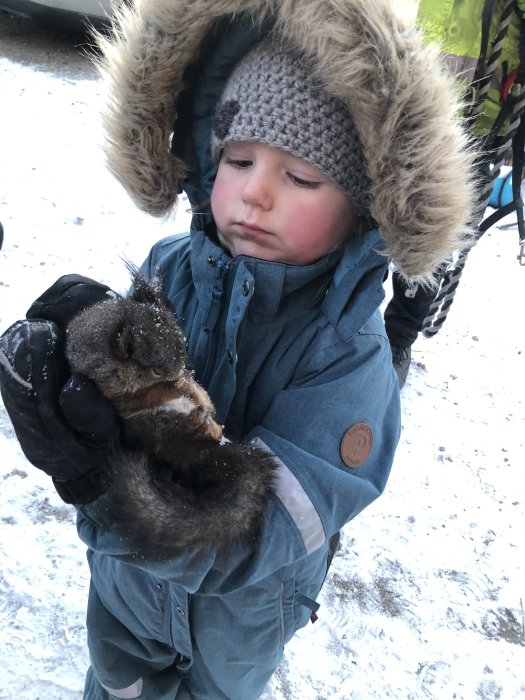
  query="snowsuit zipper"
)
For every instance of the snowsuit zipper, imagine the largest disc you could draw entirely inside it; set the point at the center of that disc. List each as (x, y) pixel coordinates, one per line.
(211, 326)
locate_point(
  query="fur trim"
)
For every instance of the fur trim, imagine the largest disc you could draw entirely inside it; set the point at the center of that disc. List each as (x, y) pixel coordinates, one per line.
(403, 102)
(214, 500)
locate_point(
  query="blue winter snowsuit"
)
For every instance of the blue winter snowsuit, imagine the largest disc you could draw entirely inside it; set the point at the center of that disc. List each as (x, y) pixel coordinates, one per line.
(293, 357)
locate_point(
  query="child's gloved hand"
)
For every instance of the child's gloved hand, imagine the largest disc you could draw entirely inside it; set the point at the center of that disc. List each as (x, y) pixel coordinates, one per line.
(65, 426)
(68, 296)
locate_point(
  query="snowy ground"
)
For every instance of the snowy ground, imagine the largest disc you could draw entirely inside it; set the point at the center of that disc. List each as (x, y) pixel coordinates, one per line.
(425, 598)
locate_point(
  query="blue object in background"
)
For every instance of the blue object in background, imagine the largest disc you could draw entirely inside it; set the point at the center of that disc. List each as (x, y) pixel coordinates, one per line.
(502, 191)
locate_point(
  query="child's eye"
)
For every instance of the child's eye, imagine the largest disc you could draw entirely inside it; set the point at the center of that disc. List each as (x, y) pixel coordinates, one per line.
(301, 182)
(238, 162)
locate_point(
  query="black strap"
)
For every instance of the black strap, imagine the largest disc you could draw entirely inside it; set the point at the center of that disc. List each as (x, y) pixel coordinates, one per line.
(480, 74)
(518, 143)
(486, 21)
(492, 139)
(496, 216)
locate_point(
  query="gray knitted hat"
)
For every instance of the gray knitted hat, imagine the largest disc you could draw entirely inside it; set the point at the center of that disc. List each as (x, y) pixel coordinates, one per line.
(271, 97)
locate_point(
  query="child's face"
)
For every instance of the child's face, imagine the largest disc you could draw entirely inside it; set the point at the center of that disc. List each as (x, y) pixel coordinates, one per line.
(271, 205)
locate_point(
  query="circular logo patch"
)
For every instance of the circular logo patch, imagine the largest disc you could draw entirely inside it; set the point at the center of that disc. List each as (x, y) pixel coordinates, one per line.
(356, 445)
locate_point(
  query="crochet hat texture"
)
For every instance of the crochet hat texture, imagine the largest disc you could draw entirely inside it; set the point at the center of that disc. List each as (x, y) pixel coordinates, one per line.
(272, 98)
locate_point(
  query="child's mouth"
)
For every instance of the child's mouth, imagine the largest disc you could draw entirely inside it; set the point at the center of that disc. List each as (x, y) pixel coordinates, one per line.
(251, 230)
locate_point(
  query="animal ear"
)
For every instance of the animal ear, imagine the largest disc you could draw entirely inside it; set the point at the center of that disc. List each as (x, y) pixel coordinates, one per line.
(122, 344)
(146, 291)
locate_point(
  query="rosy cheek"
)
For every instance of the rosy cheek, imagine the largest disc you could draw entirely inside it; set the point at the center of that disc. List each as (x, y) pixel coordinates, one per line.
(310, 224)
(217, 201)
(221, 195)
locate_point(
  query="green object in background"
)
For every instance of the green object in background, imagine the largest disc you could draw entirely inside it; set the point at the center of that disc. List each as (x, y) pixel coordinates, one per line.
(456, 25)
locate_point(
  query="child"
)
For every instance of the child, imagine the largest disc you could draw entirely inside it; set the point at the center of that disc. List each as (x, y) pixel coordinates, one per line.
(321, 116)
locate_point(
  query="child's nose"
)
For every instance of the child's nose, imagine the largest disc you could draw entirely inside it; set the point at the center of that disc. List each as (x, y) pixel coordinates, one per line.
(257, 190)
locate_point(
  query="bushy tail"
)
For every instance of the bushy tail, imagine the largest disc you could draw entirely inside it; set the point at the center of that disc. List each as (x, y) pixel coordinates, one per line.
(222, 500)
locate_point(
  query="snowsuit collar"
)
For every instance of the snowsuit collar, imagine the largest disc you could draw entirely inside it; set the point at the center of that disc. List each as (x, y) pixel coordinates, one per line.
(351, 276)
(274, 284)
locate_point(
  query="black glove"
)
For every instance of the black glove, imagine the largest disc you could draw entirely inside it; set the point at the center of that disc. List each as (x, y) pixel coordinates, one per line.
(68, 296)
(65, 426)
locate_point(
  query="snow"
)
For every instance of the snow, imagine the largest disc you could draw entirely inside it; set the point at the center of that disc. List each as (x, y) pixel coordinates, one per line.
(425, 597)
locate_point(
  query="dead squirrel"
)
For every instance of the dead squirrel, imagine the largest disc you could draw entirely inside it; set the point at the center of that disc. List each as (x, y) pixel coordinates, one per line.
(178, 484)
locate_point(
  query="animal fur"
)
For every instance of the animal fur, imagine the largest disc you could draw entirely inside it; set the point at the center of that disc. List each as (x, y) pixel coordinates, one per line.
(178, 484)
(402, 99)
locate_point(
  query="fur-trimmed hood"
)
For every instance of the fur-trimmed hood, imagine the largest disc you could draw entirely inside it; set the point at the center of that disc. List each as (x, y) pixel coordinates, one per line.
(166, 63)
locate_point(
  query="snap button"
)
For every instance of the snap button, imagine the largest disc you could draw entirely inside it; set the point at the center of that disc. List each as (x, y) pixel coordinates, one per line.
(212, 260)
(245, 288)
(180, 610)
(229, 355)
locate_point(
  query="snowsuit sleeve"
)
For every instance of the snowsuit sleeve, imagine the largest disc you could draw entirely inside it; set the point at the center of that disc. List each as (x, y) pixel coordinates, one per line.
(334, 435)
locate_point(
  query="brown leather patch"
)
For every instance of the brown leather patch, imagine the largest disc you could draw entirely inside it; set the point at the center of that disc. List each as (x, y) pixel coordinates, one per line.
(356, 445)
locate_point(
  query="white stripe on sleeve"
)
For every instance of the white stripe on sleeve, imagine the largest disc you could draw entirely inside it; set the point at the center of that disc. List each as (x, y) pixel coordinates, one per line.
(296, 501)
